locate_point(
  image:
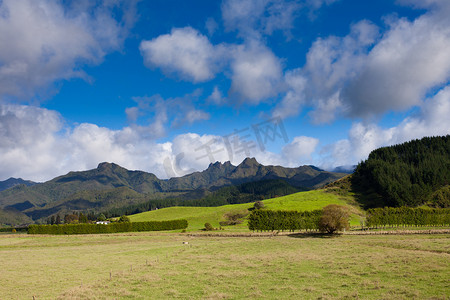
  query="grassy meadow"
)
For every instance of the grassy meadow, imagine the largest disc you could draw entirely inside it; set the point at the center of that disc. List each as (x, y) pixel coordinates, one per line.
(198, 216)
(160, 266)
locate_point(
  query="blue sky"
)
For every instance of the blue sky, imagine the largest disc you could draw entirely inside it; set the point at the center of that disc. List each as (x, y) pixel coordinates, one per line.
(171, 86)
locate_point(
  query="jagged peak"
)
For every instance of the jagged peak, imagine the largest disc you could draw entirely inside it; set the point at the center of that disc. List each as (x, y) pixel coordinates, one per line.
(216, 164)
(227, 163)
(249, 161)
(106, 166)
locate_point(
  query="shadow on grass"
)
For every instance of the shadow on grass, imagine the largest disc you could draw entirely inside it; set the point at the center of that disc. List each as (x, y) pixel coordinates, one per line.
(303, 235)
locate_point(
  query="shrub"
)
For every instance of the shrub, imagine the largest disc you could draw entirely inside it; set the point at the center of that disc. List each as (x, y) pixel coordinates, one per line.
(234, 218)
(334, 218)
(71, 219)
(124, 219)
(208, 227)
(13, 230)
(258, 205)
(101, 217)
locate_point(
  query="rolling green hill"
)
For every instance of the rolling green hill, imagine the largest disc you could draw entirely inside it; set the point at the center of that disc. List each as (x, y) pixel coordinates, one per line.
(198, 216)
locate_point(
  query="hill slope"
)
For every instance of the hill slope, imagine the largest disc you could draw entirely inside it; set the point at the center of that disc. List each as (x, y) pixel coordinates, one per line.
(406, 174)
(111, 186)
(198, 216)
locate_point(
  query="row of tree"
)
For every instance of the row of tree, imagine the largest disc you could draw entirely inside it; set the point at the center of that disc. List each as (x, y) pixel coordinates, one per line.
(75, 217)
(270, 220)
(110, 228)
(407, 216)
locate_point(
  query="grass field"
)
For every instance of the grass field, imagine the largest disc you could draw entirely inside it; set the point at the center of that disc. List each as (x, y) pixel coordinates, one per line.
(160, 266)
(198, 216)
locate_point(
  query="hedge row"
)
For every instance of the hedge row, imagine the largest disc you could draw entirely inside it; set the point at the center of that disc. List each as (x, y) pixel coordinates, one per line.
(269, 220)
(407, 216)
(110, 228)
(10, 229)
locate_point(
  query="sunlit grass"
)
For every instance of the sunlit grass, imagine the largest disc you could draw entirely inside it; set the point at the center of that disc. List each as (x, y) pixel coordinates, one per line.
(198, 216)
(160, 266)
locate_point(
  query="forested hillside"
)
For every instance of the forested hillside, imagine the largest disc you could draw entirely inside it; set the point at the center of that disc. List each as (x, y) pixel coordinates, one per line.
(409, 174)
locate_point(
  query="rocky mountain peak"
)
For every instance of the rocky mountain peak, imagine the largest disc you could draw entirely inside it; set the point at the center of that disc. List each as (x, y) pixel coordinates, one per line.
(250, 162)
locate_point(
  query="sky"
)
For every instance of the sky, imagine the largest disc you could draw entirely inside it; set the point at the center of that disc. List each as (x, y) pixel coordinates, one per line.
(170, 86)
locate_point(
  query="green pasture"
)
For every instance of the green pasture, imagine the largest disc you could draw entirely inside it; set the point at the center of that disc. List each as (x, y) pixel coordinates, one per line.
(161, 266)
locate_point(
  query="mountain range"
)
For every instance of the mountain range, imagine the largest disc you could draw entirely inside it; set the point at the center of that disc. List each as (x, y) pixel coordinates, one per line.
(112, 186)
(11, 182)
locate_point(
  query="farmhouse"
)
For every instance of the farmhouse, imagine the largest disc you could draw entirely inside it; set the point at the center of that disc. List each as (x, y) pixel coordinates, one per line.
(103, 222)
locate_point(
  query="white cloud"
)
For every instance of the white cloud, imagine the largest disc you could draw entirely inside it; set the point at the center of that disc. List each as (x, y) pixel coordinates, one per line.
(294, 98)
(331, 64)
(184, 51)
(300, 150)
(34, 144)
(163, 113)
(196, 115)
(28, 136)
(326, 109)
(365, 74)
(255, 70)
(428, 4)
(432, 120)
(410, 60)
(243, 15)
(43, 42)
(256, 73)
(253, 18)
(211, 26)
(216, 96)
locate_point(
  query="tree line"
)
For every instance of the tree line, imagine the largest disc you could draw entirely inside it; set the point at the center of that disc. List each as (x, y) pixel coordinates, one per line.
(110, 228)
(407, 216)
(75, 217)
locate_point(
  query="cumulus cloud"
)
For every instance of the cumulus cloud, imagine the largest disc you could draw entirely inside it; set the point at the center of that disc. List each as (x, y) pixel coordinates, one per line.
(256, 73)
(295, 97)
(255, 70)
(431, 120)
(331, 63)
(35, 144)
(27, 138)
(184, 51)
(411, 59)
(211, 26)
(254, 18)
(164, 113)
(368, 73)
(44, 42)
(300, 150)
(428, 4)
(216, 96)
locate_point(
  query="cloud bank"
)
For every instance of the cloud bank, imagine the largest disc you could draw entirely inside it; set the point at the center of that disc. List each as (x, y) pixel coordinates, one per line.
(47, 43)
